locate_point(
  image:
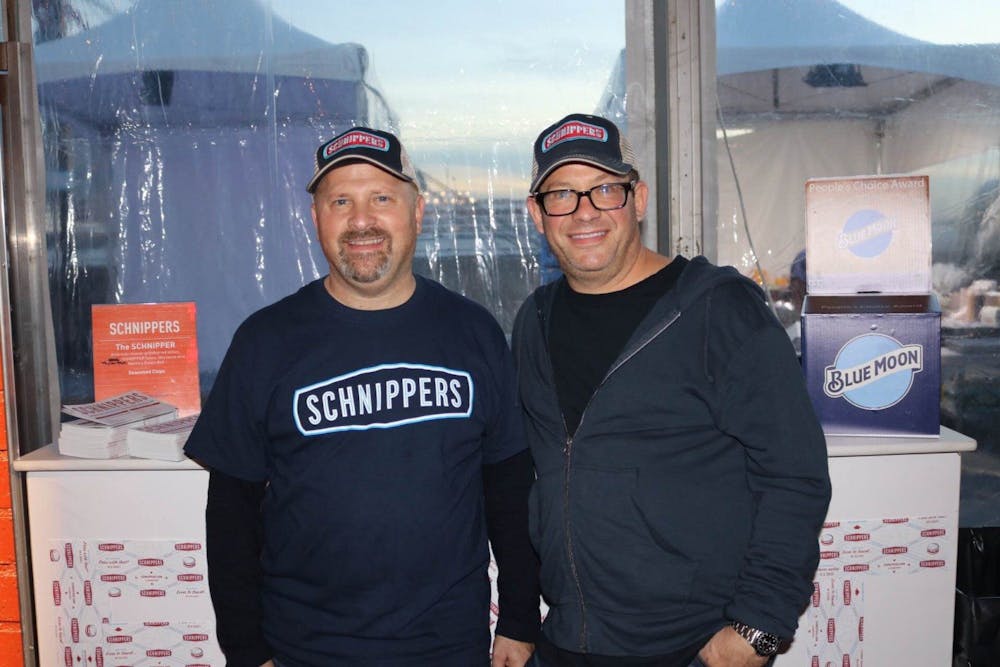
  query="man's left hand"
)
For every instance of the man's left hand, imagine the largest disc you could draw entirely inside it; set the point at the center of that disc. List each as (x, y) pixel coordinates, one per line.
(510, 652)
(727, 649)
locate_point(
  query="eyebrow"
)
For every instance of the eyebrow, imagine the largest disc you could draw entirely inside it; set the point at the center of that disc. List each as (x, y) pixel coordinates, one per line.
(563, 185)
(364, 192)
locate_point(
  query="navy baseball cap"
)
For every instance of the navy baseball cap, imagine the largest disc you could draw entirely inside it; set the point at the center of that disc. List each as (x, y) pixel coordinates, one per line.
(581, 138)
(364, 144)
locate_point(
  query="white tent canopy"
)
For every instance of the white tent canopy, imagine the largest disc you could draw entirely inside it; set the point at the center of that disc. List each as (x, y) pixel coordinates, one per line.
(198, 35)
(814, 89)
(777, 57)
(770, 34)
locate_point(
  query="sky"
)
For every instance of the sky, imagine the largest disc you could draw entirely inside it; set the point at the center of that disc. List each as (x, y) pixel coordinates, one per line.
(473, 87)
(937, 21)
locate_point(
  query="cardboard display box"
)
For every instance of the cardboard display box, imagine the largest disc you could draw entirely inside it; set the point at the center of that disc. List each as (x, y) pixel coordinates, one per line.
(872, 363)
(868, 234)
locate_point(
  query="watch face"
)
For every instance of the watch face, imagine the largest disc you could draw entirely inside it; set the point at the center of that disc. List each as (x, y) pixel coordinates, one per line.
(766, 644)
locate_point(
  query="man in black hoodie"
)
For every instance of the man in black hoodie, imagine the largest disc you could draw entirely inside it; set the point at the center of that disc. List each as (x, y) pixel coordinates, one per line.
(681, 472)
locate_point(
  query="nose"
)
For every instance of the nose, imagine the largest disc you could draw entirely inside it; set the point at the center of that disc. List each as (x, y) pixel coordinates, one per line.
(360, 217)
(585, 210)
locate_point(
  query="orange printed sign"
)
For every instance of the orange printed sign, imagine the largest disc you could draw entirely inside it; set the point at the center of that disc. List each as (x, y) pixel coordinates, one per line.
(152, 348)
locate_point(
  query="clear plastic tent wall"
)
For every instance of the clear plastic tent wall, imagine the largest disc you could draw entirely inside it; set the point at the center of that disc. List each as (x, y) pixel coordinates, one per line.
(179, 136)
(177, 147)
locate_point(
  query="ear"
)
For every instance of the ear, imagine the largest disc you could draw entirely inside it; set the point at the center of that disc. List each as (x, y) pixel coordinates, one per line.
(418, 212)
(641, 199)
(312, 211)
(536, 214)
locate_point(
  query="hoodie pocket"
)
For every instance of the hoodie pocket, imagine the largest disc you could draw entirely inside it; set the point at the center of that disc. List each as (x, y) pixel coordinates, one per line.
(623, 566)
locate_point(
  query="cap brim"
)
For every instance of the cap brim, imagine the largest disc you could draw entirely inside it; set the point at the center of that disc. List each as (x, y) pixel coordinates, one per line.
(340, 162)
(611, 166)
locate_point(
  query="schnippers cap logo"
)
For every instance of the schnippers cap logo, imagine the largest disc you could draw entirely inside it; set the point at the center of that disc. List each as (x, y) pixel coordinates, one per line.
(873, 371)
(377, 147)
(582, 138)
(383, 396)
(573, 130)
(356, 138)
(867, 233)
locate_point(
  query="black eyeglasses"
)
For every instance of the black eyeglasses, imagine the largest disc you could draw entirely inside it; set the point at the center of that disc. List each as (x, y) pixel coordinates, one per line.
(604, 197)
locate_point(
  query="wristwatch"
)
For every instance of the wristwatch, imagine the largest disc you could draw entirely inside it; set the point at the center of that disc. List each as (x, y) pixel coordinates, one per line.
(764, 644)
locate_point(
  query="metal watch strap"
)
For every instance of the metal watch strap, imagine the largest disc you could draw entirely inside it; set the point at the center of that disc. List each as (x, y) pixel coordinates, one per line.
(763, 643)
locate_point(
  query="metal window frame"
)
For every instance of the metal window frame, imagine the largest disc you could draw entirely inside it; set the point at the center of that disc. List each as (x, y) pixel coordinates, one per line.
(27, 342)
(670, 79)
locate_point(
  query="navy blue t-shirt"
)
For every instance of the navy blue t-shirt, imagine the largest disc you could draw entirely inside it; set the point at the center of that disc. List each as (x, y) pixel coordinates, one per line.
(371, 429)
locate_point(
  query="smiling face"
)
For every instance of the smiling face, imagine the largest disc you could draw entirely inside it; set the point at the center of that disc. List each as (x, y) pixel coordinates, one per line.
(599, 251)
(367, 222)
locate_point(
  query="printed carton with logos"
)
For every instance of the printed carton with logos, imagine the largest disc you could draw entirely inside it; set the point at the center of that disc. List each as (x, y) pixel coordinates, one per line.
(868, 234)
(872, 363)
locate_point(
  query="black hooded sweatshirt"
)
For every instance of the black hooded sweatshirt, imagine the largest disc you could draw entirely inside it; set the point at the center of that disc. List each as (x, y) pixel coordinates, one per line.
(692, 492)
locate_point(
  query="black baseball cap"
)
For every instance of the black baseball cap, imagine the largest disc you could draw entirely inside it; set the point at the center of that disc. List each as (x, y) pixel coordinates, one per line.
(376, 147)
(581, 138)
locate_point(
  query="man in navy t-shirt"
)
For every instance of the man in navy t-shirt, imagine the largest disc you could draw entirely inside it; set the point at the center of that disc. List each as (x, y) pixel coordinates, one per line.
(363, 438)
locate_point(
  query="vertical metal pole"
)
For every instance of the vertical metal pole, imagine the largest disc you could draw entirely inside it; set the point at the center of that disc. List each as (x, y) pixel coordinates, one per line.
(644, 65)
(27, 341)
(670, 102)
(8, 55)
(684, 42)
(706, 129)
(35, 367)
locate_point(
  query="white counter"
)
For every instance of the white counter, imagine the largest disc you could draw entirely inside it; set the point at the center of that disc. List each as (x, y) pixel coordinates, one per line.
(849, 445)
(49, 458)
(885, 599)
(899, 612)
(136, 584)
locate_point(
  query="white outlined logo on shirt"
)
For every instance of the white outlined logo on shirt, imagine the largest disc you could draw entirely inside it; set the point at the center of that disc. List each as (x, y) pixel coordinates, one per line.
(384, 396)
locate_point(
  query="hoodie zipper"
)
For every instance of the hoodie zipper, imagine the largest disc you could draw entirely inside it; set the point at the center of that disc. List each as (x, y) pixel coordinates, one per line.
(568, 456)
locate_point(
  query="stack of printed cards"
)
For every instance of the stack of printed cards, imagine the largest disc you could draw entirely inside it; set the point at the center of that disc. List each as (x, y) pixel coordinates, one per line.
(164, 441)
(100, 429)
